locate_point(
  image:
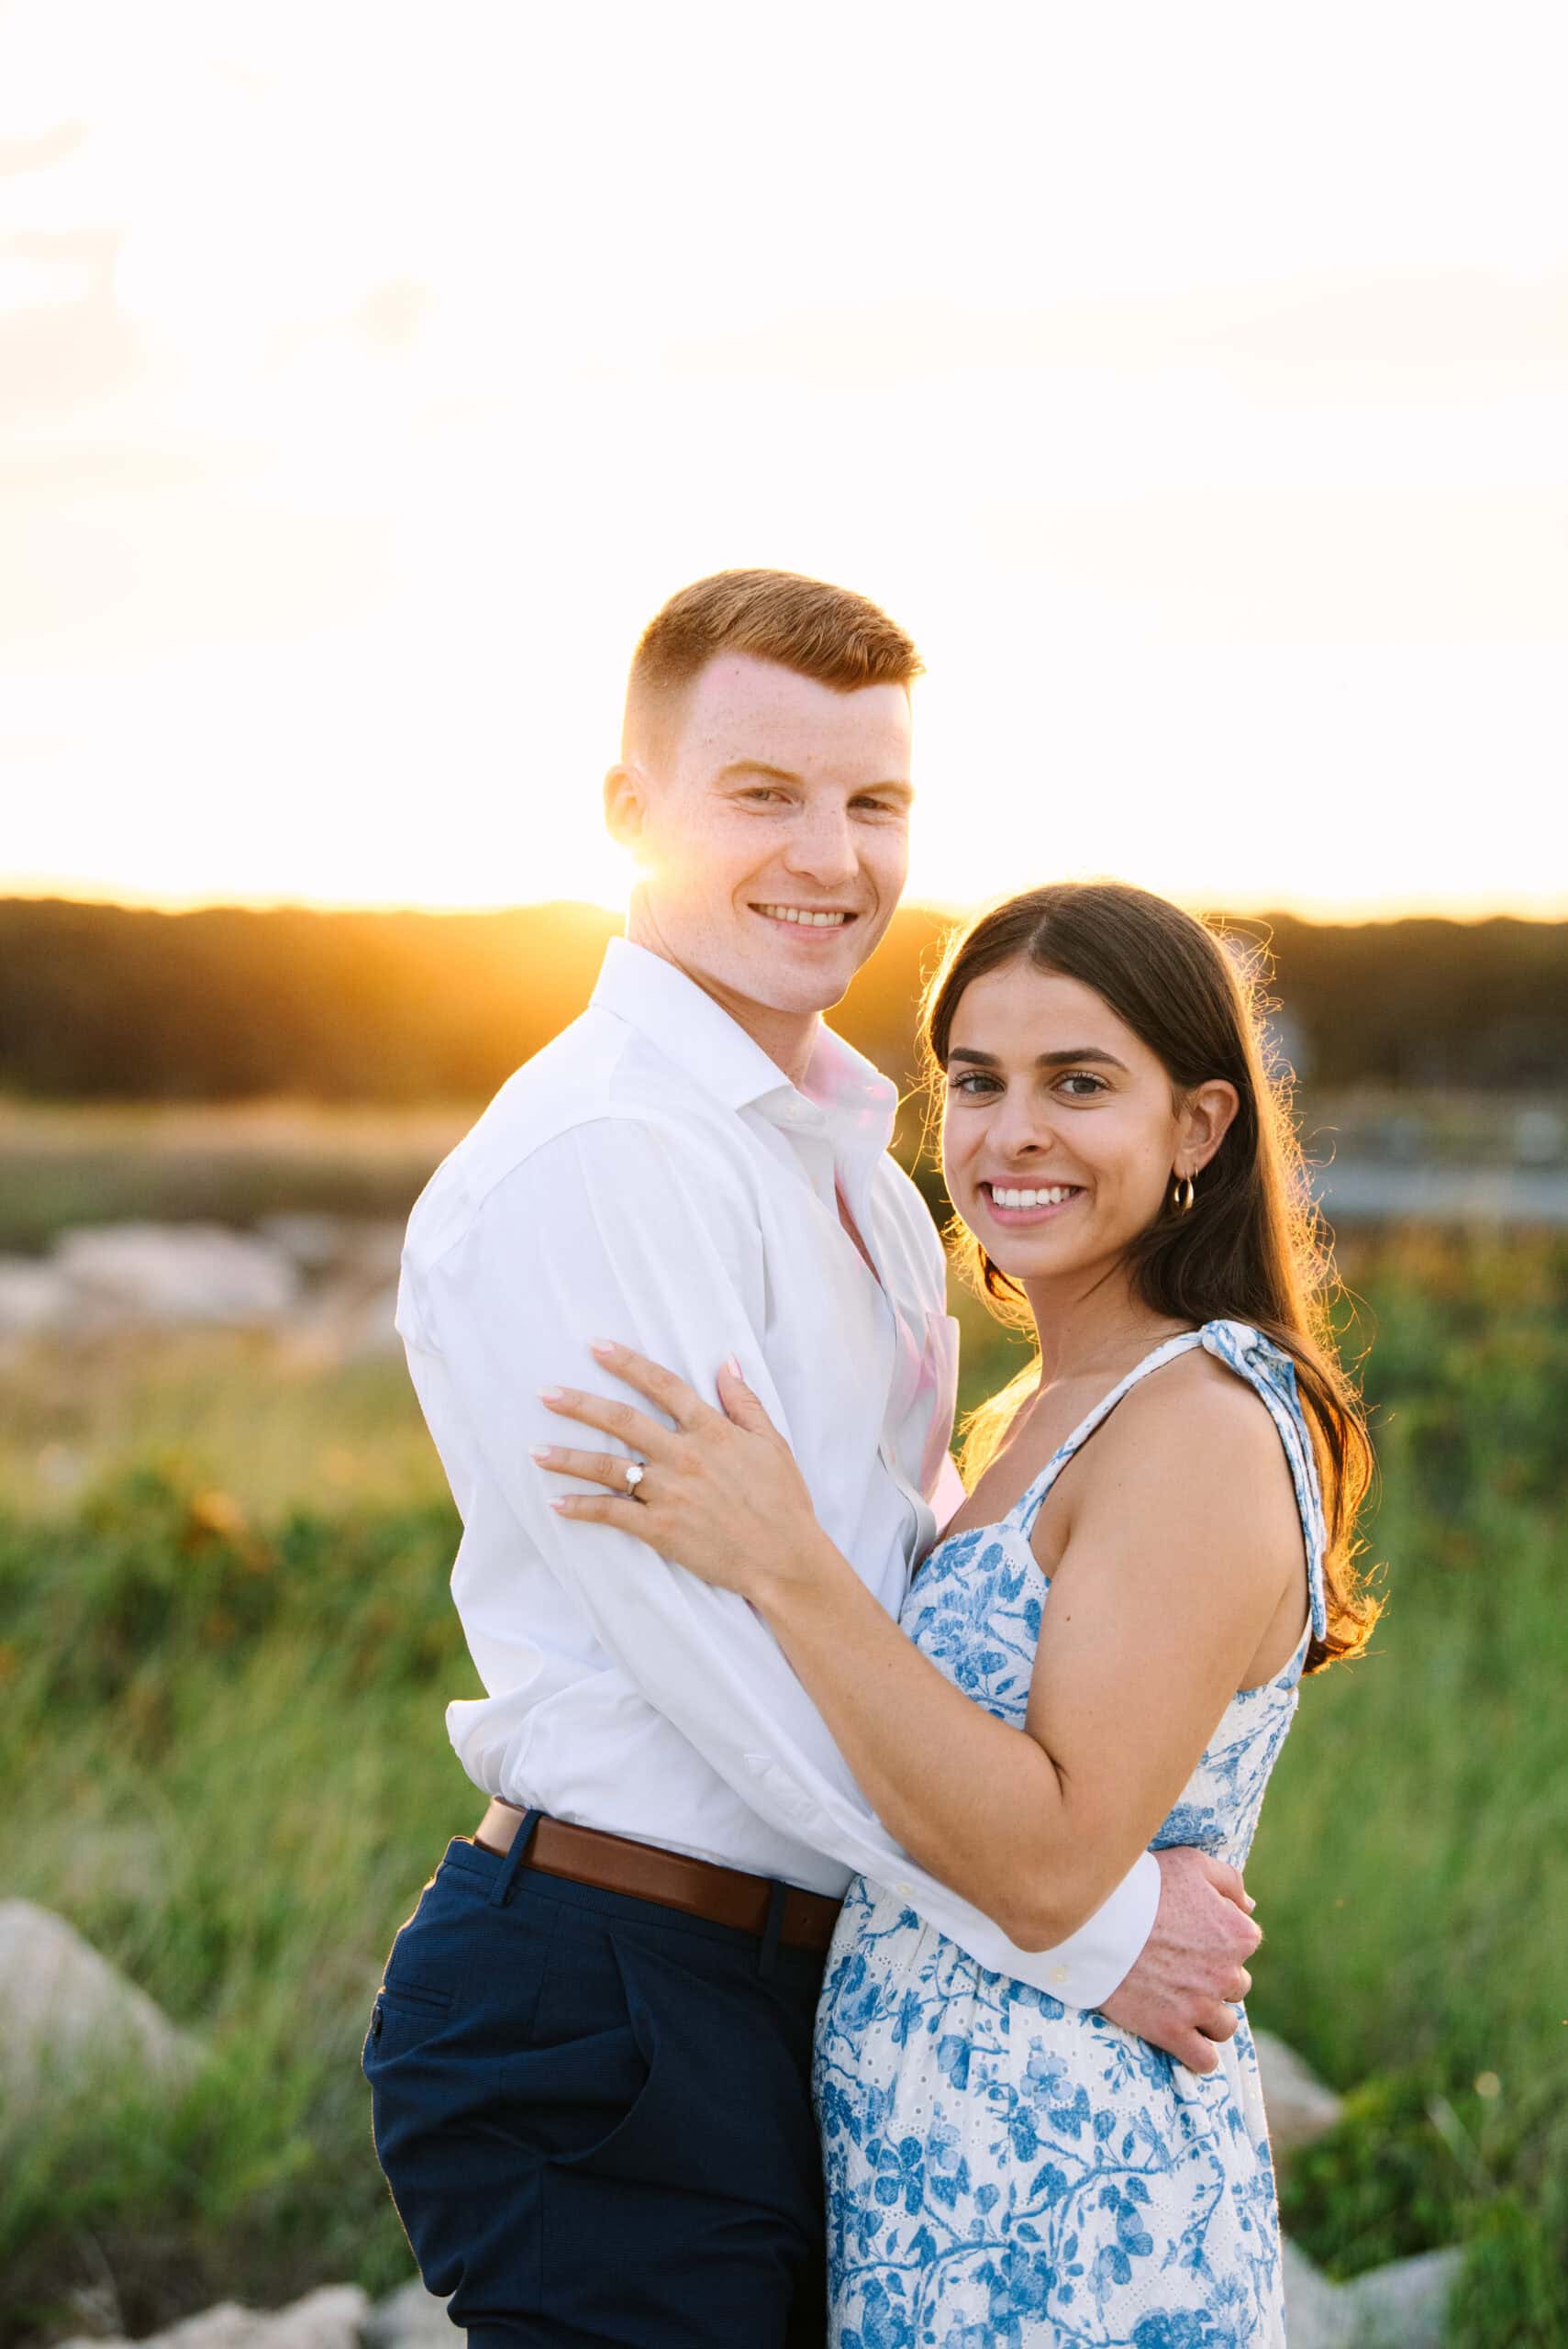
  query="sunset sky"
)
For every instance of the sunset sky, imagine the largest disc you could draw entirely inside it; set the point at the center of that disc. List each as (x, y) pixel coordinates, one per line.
(1192, 383)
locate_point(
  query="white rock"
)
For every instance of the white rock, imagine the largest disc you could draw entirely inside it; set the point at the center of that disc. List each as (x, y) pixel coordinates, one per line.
(1299, 2107)
(1405, 2304)
(33, 1297)
(1401, 2306)
(1316, 2316)
(170, 1273)
(65, 2012)
(330, 2318)
(410, 2318)
(313, 1240)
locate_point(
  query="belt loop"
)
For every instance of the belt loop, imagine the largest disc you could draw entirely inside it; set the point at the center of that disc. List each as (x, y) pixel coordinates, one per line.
(768, 1958)
(507, 1874)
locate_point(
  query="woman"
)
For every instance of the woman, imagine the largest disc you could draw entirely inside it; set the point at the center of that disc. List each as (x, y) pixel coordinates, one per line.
(1001, 2168)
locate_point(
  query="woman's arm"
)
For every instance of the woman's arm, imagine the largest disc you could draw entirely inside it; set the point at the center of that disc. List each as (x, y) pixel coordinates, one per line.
(1178, 1554)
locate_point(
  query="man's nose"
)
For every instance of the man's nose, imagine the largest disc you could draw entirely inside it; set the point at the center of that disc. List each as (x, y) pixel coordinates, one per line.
(822, 848)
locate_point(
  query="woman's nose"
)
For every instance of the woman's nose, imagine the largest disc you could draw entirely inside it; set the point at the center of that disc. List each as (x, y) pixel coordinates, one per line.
(1021, 1125)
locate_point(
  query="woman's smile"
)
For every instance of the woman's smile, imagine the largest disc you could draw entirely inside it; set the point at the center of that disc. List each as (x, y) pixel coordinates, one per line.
(1015, 1207)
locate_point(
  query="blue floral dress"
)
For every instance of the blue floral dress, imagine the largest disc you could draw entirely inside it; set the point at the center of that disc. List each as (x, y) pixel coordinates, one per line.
(1004, 2172)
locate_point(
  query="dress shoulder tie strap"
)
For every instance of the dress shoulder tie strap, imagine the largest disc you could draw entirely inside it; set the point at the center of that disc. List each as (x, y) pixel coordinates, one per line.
(1271, 1374)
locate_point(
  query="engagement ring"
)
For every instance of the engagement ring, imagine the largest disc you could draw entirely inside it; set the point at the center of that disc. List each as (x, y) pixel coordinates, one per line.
(633, 1474)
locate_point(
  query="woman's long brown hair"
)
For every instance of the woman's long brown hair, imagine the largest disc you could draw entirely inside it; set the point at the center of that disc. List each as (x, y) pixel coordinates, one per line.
(1251, 1248)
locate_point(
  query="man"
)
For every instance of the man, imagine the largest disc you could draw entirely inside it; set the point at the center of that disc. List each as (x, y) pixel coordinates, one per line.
(590, 2054)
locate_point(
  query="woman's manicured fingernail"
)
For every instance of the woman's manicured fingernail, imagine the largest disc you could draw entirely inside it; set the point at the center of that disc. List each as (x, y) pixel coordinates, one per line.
(1249, 1899)
(559, 1503)
(732, 1366)
(602, 1346)
(553, 1394)
(543, 1451)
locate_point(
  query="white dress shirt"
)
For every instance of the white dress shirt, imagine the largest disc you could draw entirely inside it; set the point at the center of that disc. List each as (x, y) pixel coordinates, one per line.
(652, 1177)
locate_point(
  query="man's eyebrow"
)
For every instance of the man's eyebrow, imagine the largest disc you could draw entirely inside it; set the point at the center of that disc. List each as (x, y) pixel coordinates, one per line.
(1075, 1058)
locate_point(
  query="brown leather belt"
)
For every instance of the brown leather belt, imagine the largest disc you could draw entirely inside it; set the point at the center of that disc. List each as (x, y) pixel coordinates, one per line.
(698, 1888)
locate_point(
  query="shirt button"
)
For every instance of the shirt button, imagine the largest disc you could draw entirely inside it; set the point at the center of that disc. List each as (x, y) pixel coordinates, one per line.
(1059, 1973)
(906, 1889)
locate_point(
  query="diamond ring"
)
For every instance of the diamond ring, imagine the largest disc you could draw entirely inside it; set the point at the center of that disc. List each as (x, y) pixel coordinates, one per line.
(634, 1474)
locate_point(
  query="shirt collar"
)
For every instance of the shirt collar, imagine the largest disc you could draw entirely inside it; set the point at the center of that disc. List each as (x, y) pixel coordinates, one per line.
(843, 1090)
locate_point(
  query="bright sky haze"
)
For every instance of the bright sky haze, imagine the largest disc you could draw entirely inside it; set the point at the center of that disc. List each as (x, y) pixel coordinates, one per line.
(1192, 384)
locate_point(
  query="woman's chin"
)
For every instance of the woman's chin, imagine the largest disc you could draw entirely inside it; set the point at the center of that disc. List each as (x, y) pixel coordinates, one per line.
(1052, 1255)
(1039, 1258)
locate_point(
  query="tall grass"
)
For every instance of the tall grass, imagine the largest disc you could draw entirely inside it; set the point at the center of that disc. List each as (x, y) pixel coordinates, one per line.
(226, 1764)
(1413, 1867)
(222, 1757)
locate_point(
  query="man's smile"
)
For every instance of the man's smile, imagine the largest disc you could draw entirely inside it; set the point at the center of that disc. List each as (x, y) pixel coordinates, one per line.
(806, 917)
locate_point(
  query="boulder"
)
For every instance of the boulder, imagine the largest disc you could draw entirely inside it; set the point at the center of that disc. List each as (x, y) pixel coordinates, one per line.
(1299, 2107)
(34, 1298)
(1405, 2304)
(1315, 2314)
(66, 2013)
(330, 2318)
(314, 1241)
(173, 1273)
(1401, 2306)
(410, 2318)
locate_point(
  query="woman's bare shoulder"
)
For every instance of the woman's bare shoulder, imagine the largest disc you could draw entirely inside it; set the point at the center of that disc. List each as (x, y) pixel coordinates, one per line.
(1204, 1399)
(1194, 1430)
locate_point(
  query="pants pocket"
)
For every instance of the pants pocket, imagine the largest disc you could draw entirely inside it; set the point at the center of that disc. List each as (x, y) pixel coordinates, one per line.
(461, 1985)
(588, 2067)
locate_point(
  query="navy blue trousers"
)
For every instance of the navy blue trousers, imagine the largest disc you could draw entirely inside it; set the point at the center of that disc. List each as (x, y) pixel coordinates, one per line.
(594, 2116)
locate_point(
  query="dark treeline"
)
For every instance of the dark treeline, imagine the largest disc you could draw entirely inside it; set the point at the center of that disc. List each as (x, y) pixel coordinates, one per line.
(105, 1002)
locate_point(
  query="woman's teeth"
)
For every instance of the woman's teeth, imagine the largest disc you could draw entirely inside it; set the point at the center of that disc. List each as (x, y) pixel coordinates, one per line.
(810, 920)
(1052, 1198)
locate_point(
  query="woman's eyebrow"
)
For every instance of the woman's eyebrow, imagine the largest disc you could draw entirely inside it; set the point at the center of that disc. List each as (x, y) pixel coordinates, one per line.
(1079, 1053)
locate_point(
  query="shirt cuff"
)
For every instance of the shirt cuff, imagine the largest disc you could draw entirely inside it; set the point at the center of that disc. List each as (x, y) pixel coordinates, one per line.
(1101, 1954)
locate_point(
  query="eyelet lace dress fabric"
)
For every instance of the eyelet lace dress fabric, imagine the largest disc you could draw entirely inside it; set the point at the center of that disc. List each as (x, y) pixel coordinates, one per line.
(1004, 2172)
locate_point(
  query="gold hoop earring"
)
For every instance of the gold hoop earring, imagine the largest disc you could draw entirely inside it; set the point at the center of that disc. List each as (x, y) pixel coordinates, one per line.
(1182, 1193)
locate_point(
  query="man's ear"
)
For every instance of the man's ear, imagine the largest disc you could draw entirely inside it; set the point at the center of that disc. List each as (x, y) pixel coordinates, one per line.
(625, 805)
(1208, 1115)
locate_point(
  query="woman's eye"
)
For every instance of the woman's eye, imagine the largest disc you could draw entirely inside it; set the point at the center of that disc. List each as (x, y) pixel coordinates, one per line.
(1091, 1084)
(972, 1083)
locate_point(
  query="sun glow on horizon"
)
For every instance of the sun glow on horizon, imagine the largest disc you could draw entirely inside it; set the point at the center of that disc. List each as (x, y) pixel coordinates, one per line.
(1232, 532)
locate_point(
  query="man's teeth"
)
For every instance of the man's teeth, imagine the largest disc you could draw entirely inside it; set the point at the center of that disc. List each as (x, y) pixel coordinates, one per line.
(1053, 1197)
(812, 921)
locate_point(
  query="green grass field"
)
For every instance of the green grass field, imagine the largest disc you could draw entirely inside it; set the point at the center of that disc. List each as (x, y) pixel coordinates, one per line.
(226, 1644)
